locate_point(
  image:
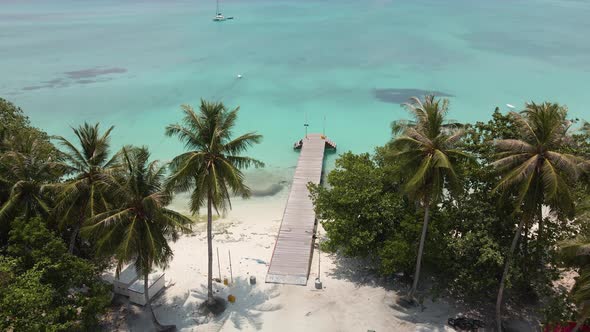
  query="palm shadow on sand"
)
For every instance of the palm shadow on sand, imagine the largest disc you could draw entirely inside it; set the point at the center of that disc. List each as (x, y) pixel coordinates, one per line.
(251, 302)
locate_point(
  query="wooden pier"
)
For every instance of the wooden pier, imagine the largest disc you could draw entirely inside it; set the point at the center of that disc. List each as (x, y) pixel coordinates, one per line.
(291, 257)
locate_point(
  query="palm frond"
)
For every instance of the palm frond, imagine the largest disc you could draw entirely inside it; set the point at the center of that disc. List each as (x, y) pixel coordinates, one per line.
(240, 144)
(514, 146)
(566, 163)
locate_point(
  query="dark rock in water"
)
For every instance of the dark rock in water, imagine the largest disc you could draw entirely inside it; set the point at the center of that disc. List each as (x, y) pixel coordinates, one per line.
(272, 190)
(399, 96)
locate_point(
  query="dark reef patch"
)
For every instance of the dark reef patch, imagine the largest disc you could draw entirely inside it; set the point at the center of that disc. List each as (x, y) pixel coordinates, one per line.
(271, 190)
(94, 72)
(33, 87)
(399, 96)
(84, 76)
(86, 81)
(54, 82)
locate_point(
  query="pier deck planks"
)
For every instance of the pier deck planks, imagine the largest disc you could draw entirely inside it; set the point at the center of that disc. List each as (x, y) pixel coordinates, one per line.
(291, 258)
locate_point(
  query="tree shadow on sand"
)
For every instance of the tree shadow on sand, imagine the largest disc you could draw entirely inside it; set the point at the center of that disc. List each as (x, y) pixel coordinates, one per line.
(361, 272)
(177, 310)
(251, 302)
(427, 316)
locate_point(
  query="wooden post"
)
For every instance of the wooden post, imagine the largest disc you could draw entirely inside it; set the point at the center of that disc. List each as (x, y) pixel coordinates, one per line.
(305, 124)
(218, 265)
(230, 270)
(319, 254)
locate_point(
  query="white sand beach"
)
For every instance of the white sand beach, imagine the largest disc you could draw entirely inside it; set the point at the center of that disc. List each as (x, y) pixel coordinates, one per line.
(353, 299)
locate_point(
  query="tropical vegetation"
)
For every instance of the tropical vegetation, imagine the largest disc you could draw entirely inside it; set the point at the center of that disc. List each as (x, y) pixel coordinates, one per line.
(426, 153)
(506, 192)
(50, 278)
(492, 213)
(138, 228)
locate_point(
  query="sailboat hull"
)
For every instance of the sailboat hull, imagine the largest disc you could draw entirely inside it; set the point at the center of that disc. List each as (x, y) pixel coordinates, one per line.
(221, 19)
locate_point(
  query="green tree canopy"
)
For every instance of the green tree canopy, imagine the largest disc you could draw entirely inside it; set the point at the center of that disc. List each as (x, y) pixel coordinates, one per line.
(43, 287)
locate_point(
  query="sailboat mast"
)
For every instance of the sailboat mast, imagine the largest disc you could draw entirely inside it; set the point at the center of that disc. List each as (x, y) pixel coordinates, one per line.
(217, 11)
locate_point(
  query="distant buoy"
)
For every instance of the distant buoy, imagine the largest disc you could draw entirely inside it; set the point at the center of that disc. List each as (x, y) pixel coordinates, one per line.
(510, 106)
(239, 75)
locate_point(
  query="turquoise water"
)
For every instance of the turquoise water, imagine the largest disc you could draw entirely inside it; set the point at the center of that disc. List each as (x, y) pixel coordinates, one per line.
(132, 63)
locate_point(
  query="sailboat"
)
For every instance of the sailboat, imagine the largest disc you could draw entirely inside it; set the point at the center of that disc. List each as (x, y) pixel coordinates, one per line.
(219, 17)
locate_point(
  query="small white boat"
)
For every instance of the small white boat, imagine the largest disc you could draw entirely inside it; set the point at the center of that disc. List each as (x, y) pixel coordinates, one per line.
(510, 106)
(219, 17)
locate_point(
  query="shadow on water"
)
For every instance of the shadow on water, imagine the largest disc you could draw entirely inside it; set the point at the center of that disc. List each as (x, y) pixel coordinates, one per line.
(83, 76)
(399, 96)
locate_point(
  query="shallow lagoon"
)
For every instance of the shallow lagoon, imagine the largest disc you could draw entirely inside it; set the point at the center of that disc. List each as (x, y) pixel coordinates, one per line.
(132, 63)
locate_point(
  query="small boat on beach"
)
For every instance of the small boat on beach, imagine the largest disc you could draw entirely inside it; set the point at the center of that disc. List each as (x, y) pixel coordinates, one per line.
(219, 17)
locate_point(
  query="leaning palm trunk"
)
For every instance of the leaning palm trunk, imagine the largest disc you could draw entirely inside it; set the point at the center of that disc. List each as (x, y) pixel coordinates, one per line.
(210, 299)
(541, 233)
(73, 238)
(420, 249)
(505, 275)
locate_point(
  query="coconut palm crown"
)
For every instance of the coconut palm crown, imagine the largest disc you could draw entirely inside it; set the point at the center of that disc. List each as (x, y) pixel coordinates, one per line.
(212, 166)
(426, 148)
(532, 167)
(86, 193)
(28, 167)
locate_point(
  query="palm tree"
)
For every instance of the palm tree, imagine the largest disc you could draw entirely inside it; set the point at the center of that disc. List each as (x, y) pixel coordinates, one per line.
(212, 167)
(28, 166)
(85, 194)
(137, 229)
(534, 172)
(426, 152)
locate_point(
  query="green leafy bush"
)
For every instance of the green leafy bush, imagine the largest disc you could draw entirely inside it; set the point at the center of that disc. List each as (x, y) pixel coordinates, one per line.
(43, 287)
